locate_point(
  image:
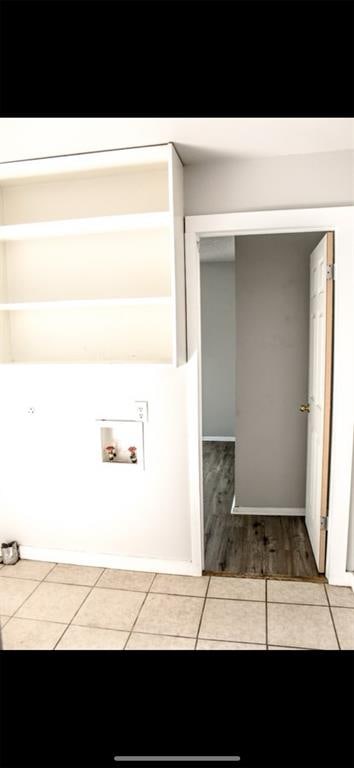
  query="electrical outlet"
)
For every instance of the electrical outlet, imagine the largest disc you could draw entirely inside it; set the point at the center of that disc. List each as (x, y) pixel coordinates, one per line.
(141, 410)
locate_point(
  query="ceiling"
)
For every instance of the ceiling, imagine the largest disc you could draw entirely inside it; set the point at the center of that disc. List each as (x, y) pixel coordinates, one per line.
(197, 139)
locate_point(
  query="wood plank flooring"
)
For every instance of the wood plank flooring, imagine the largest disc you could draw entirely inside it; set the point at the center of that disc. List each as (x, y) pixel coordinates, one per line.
(248, 545)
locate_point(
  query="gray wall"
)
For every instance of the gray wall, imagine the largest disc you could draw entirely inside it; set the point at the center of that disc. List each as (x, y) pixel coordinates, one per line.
(218, 348)
(272, 331)
(293, 181)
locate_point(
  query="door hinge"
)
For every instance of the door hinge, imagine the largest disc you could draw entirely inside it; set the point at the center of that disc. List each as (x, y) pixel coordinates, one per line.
(324, 523)
(330, 274)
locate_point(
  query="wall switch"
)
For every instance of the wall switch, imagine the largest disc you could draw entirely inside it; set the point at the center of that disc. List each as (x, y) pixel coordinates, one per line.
(141, 410)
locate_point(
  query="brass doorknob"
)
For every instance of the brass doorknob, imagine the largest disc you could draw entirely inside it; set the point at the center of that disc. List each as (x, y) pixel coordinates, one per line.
(305, 408)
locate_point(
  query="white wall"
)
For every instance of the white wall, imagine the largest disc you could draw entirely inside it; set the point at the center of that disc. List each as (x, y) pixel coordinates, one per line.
(218, 347)
(297, 181)
(56, 494)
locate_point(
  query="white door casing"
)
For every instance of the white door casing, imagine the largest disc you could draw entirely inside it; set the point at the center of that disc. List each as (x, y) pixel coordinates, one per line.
(319, 400)
(339, 220)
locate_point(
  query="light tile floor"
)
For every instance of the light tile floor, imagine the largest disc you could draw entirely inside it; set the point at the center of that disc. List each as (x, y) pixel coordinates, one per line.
(45, 606)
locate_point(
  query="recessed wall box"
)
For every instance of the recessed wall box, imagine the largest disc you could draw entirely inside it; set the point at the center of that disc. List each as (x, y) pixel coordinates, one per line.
(121, 442)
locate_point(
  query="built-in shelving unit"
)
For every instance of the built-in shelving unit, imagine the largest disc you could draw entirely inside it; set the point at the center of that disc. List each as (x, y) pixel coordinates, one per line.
(91, 258)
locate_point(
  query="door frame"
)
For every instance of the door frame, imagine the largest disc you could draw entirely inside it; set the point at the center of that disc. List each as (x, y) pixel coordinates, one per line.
(339, 220)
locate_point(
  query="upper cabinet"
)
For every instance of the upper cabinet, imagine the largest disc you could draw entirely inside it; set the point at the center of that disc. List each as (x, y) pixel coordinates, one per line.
(92, 258)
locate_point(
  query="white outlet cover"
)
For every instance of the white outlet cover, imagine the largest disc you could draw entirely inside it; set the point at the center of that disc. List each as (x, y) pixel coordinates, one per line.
(141, 410)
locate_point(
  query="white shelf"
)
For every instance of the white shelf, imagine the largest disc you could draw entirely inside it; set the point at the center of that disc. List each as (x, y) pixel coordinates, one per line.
(86, 303)
(87, 226)
(92, 259)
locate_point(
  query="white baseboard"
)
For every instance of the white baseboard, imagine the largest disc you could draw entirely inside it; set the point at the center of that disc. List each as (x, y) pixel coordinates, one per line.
(232, 510)
(217, 439)
(149, 564)
(268, 511)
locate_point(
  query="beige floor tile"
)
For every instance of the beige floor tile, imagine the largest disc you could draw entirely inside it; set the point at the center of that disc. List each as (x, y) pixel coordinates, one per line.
(13, 592)
(219, 645)
(30, 635)
(342, 597)
(193, 586)
(53, 602)
(237, 589)
(3, 620)
(300, 592)
(27, 569)
(344, 622)
(74, 574)
(138, 581)
(237, 620)
(110, 608)
(170, 615)
(140, 642)
(304, 626)
(92, 639)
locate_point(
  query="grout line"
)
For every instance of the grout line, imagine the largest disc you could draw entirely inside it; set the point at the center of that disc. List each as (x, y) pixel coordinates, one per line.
(179, 594)
(134, 623)
(333, 622)
(46, 621)
(294, 648)
(60, 637)
(186, 637)
(27, 578)
(235, 599)
(21, 578)
(288, 602)
(52, 569)
(266, 615)
(201, 615)
(152, 583)
(269, 576)
(14, 615)
(121, 589)
(73, 583)
(161, 634)
(170, 594)
(237, 642)
(75, 614)
(98, 577)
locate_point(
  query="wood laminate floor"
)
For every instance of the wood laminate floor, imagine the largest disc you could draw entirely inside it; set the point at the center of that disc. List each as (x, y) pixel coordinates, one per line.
(248, 545)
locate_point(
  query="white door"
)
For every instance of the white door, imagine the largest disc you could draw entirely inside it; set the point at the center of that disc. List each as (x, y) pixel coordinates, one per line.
(319, 400)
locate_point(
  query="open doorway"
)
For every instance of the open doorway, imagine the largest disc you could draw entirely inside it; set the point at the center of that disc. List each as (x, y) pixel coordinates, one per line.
(260, 364)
